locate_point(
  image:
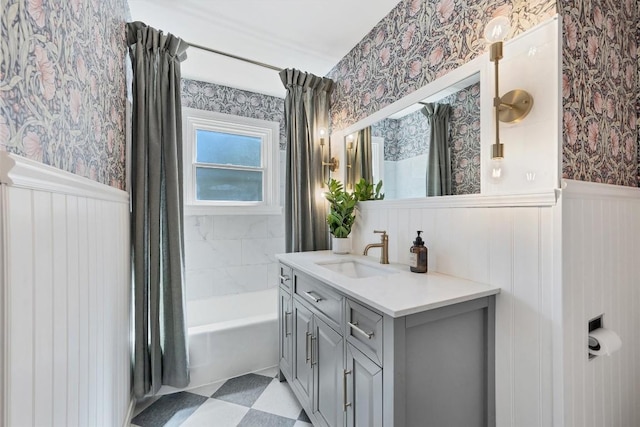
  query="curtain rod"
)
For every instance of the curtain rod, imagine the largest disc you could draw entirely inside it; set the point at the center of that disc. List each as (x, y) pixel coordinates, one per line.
(240, 58)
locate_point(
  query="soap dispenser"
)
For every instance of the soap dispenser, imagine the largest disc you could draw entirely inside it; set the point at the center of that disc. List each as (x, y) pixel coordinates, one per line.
(418, 257)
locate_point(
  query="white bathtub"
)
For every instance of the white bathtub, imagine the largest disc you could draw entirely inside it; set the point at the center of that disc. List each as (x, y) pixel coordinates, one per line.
(232, 335)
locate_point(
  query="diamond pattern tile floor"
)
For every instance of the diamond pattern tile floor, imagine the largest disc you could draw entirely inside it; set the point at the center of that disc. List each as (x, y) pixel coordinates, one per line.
(251, 400)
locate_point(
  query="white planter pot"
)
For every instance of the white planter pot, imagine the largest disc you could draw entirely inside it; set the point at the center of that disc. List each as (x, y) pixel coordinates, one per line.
(341, 245)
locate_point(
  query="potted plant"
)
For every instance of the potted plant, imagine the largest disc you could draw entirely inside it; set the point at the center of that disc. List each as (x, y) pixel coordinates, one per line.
(364, 190)
(342, 205)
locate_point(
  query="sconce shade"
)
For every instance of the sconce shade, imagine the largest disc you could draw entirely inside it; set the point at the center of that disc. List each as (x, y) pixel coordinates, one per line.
(497, 29)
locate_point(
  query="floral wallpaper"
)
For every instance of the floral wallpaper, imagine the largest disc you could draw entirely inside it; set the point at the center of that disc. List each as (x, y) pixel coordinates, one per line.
(409, 137)
(418, 41)
(223, 99)
(600, 91)
(465, 140)
(62, 84)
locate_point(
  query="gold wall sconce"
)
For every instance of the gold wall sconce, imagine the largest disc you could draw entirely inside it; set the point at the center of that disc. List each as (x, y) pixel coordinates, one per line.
(514, 105)
(350, 140)
(332, 163)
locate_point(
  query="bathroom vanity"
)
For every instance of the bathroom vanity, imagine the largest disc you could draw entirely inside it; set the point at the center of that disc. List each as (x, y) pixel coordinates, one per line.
(365, 344)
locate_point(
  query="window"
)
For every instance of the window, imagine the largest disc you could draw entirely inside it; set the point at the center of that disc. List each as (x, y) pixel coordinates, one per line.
(230, 164)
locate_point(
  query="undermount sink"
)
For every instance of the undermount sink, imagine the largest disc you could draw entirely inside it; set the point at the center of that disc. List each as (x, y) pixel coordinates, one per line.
(355, 269)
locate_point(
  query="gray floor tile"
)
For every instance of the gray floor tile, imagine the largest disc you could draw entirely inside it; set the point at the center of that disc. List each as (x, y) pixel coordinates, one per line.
(243, 390)
(255, 418)
(303, 417)
(170, 410)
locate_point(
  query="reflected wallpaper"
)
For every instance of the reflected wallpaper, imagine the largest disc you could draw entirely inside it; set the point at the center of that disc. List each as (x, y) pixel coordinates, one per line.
(409, 137)
(62, 84)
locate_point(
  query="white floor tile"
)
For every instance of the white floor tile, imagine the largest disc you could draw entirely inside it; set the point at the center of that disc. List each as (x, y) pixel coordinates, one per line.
(278, 399)
(207, 390)
(302, 424)
(223, 414)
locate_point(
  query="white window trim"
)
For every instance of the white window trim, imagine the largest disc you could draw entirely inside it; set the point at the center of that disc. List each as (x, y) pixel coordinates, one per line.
(268, 131)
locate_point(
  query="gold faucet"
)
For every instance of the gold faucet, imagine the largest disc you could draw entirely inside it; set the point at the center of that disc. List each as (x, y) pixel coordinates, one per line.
(384, 244)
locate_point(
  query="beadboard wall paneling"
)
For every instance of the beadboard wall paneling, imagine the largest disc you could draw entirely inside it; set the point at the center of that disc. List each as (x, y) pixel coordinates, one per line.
(507, 246)
(600, 276)
(66, 287)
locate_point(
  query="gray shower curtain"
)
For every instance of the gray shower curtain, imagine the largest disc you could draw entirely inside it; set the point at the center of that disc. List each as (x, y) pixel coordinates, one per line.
(160, 347)
(306, 112)
(439, 161)
(362, 164)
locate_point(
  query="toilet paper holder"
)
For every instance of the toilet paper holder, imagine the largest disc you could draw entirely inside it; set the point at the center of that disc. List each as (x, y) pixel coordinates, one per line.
(602, 341)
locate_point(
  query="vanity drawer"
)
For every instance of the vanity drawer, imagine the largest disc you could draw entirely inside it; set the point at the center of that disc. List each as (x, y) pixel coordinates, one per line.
(364, 330)
(319, 296)
(285, 276)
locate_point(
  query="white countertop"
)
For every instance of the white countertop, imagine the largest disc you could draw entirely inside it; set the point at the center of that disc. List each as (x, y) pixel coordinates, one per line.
(398, 292)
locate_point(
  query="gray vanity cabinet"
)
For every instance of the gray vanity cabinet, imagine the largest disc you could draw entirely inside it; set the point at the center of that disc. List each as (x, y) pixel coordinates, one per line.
(362, 390)
(328, 362)
(302, 376)
(285, 323)
(355, 366)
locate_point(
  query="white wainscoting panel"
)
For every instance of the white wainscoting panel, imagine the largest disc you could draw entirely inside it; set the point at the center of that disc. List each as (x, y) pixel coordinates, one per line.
(601, 276)
(66, 291)
(507, 246)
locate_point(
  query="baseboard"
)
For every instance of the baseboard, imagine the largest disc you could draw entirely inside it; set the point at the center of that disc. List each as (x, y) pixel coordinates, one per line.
(129, 417)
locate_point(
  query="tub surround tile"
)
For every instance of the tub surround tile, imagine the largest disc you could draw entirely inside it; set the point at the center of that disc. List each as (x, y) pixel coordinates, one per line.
(261, 251)
(275, 226)
(240, 226)
(197, 228)
(212, 253)
(248, 279)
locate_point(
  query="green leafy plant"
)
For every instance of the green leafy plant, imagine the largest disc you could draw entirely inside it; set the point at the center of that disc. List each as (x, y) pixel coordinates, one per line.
(364, 190)
(342, 206)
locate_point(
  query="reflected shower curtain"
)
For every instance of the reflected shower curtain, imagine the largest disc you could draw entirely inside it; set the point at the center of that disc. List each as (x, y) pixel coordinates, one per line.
(439, 160)
(306, 112)
(160, 347)
(363, 167)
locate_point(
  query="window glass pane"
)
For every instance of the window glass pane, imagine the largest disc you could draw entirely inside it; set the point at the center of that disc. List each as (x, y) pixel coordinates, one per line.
(227, 149)
(225, 184)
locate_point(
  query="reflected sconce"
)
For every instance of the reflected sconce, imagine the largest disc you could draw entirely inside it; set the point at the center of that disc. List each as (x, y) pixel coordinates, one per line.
(350, 139)
(332, 163)
(514, 105)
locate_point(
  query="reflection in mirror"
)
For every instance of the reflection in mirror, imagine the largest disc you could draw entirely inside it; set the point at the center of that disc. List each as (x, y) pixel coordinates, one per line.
(361, 164)
(400, 146)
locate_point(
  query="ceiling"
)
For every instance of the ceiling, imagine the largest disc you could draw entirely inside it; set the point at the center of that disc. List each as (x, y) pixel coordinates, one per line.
(310, 35)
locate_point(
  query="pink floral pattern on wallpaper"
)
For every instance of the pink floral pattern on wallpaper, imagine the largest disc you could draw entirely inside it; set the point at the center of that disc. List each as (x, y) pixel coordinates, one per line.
(228, 100)
(62, 84)
(600, 91)
(418, 41)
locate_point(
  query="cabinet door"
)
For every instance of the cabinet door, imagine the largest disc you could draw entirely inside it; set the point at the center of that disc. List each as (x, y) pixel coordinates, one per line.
(328, 362)
(285, 323)
(302, 368)
(363, 399)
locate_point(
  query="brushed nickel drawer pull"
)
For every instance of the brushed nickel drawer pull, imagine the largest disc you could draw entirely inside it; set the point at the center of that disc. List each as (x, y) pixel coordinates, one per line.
(345, 404)
(306, 348)
(312, 340)
(355, 327)
(284, 278)
(312, 297)
(286, 324)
